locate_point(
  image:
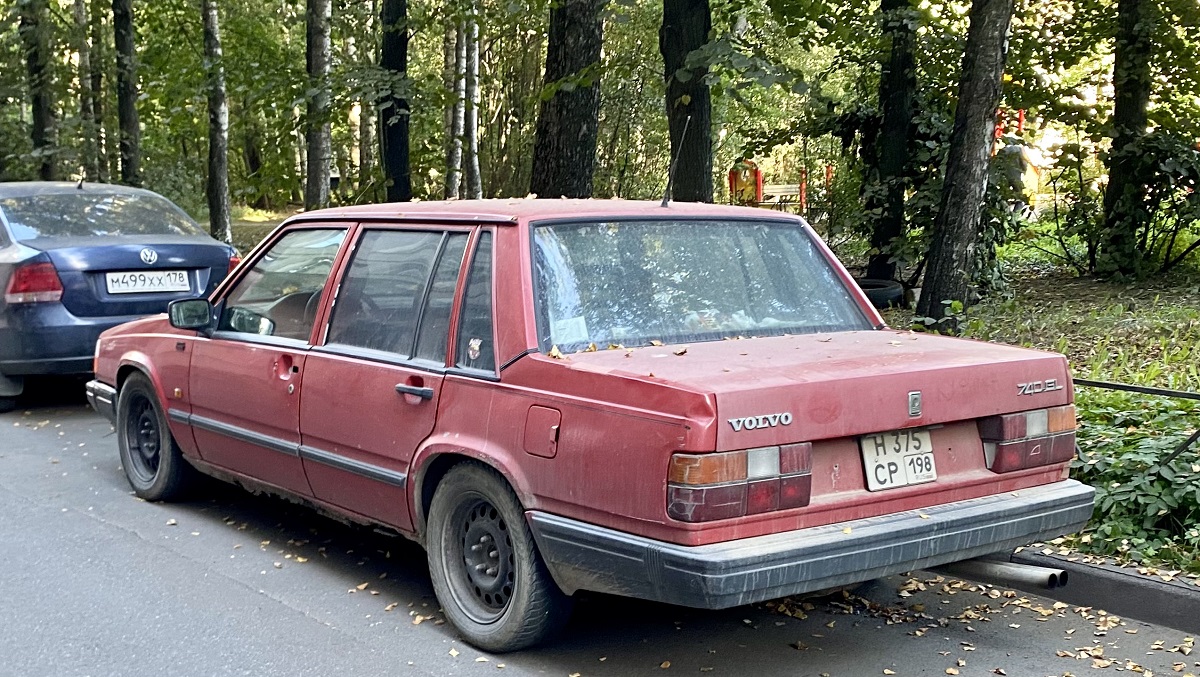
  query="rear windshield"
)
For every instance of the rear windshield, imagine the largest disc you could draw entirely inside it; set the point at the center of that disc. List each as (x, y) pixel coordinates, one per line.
(84, 214)
(631, 283)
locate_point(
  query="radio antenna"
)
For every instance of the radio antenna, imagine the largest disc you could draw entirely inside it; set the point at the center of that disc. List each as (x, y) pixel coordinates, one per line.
(674, 162)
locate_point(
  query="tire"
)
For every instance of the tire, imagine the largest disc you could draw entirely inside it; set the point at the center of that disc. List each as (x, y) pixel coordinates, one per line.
(882, 293)
(487, 574)
(153, 463)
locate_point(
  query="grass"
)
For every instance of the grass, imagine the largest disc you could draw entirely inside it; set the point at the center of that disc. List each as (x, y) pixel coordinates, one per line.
(1147, 511)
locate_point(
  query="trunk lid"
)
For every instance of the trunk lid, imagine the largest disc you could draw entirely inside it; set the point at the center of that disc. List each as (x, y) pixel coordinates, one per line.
(778, 390)
(84, 263)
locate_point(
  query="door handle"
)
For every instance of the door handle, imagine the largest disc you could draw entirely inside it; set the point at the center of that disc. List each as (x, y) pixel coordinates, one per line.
(423, 393)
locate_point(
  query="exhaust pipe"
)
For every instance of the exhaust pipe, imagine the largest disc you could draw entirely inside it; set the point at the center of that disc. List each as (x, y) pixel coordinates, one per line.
(999, 572)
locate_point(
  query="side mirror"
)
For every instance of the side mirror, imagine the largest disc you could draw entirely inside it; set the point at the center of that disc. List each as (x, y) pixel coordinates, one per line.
(190, 314)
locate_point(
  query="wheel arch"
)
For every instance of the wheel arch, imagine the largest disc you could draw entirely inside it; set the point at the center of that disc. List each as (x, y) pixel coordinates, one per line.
(138, 363)
(433, 462)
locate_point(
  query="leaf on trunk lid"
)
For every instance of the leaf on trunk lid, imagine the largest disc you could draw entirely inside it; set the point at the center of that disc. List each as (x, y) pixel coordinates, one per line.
(656, 343)
(681, 351)
(555, 353)
(591, 348)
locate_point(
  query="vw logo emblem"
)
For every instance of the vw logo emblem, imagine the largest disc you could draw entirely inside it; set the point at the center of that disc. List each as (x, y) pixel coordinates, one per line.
(149, 256)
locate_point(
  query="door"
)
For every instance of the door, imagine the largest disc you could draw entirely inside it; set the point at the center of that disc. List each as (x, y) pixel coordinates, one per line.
(371, 391)
(245, 379)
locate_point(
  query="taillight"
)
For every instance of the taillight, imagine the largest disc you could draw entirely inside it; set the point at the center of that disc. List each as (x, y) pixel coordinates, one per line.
(704, 487)
(34, 283)
(1029, 438)
(234, 260)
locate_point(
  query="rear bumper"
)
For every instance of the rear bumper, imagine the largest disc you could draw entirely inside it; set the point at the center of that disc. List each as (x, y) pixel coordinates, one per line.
(103, 399)
(47, 339)
(585, 557)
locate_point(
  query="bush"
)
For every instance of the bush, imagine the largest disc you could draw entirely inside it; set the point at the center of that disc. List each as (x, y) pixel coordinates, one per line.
(1145, 509)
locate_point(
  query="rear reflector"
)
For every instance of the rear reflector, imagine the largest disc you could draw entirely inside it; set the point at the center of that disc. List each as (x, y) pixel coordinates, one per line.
(704, 487)
(1028, 439)
(234, 260)
(34, 283)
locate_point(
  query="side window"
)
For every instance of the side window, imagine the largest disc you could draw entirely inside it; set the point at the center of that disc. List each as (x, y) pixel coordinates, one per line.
(435, 320)
(381, 295)
(475, 346)
(281, 294)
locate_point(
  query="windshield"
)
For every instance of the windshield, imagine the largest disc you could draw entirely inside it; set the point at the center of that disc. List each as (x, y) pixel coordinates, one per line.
(631, 283)
(84, 214)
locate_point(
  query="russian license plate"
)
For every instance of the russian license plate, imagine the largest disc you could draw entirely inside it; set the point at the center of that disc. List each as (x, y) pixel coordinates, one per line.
(147, 281)
(898, 458)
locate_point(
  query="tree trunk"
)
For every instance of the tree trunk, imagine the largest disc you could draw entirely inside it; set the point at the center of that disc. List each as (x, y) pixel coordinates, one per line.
(366, 121)
(35, 39)
(564, 151)
(316, 125)
(393, 21)
(685, 27)
(87, 124)
(217, 188)
(473, 181)
(127, 93)
(98, 55)
(897, 85)
(457, 112)
(956, 228)
(1131, 92)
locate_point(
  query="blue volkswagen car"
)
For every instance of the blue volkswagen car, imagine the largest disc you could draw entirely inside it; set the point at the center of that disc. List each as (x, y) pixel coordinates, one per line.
(76, 259)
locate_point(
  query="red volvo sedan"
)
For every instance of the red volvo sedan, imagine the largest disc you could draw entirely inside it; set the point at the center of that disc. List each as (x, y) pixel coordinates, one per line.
(691, 403)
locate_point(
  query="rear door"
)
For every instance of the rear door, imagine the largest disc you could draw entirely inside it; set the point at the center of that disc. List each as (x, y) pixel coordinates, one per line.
(371, 391)
(245, 379)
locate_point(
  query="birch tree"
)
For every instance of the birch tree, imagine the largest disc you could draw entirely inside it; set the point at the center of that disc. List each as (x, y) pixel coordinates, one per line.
(318, 144)
(217, 185)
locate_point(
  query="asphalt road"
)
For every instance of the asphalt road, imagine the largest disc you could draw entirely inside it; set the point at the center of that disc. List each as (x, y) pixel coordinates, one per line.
(94, 581)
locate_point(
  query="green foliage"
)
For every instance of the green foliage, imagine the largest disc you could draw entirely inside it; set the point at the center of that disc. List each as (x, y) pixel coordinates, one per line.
(1164, 214)
(1146, 508)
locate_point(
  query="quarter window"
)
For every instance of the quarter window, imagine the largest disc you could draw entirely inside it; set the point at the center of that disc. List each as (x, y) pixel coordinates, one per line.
(475, 345)
(281, 294)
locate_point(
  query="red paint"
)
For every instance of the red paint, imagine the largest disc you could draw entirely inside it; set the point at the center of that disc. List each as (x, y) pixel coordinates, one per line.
(591, 436)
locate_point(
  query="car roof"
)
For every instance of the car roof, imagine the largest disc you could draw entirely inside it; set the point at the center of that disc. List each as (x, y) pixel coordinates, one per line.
(528, 209)
(32, 188)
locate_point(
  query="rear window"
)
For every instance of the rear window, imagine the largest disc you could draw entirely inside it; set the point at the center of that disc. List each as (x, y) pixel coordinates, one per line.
(631, 283)
(85, 214)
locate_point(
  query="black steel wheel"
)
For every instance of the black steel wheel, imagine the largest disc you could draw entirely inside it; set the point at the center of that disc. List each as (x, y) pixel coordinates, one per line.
(152, 461)
(487, 573)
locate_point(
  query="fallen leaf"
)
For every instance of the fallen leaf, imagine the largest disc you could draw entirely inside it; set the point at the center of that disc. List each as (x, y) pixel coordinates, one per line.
(481, 659)
(361, 586)
(681, 351)
(591, 348)
(847, 530)
(951, 671)
(888, 672)
(171, 522)
(391, 606)
(453, 652)
(656, 343)
(555, 353)
(665, 664)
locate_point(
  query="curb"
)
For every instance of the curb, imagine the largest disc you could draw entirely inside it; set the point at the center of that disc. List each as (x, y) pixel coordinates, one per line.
(1121, 591)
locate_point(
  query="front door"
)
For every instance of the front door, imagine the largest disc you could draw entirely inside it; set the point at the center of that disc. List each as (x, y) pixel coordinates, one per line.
(371, 391)
(245, 379)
